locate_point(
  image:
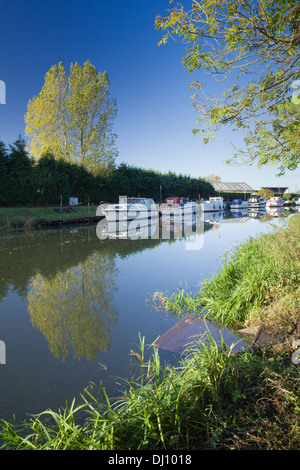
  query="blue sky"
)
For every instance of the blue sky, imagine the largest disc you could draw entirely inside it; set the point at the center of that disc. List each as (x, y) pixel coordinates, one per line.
(155, 115)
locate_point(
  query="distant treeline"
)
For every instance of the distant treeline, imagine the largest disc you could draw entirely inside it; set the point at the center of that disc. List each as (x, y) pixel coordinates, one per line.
(24, 181)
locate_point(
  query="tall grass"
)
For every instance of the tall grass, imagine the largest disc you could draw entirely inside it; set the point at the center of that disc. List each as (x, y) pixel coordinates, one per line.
(257, 274)
(212, 399)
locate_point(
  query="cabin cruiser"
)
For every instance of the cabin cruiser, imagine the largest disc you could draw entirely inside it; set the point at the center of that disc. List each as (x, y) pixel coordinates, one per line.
(214, 204)
(178, 207)
(238, 204)
(256, 201)
(275, 202)
(131, 208)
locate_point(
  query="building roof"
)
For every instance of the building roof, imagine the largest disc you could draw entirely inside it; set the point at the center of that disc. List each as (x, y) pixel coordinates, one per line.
(277, 189)
(232, 187)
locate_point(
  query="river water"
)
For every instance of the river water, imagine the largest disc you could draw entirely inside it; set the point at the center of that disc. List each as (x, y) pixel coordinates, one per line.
(73, 303)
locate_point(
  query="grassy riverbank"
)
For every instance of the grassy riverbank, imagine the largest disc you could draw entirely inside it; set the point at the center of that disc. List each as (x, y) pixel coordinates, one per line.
(213, 399)
(29, 217)
(259, 284)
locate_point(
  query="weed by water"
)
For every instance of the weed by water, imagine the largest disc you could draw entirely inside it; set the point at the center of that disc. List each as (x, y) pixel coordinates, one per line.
(212, 399)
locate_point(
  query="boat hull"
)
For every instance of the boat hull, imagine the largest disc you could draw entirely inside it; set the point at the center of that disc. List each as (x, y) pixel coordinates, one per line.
(213, 205)
(123, 215)
(238, 204)
(186, 210)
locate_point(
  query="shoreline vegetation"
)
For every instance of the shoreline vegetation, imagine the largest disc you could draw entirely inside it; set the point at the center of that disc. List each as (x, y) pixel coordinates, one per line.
(213, 398)
(12, 218)
(50, 181)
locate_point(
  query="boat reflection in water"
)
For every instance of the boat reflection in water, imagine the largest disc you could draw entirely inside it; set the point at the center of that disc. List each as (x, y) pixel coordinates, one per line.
(132, 229)
(188, 227)
(237, 213)
(275, 211)
(256, 213)
(213, 217)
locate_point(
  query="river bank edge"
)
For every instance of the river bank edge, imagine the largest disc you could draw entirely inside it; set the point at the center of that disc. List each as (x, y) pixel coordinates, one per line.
(27, 218)
(35, 217)
(214, 400)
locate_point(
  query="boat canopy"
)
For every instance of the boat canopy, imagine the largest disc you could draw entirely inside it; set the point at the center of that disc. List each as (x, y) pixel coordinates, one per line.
(174, 200)
(148, 202)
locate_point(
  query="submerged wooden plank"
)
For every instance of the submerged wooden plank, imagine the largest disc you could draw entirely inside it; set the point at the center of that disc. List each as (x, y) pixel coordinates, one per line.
(181, 335)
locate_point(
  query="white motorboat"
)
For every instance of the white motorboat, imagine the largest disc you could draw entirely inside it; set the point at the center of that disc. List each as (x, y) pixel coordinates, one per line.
(256, 201)
(177, 207)
(214, 204)
(238, 204)
(131, 209)
(275, 202)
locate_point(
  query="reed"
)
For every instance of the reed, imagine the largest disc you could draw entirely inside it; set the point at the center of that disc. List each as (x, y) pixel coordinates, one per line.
(211, 399)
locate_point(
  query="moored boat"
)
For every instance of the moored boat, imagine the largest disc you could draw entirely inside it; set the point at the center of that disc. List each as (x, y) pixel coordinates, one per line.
(131, 209)
(238, 204)
(275, 202)
(214, 204)
(177, 206)
(256, 201)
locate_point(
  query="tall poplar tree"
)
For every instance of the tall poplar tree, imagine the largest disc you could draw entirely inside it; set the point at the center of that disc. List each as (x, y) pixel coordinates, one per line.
(72, 117)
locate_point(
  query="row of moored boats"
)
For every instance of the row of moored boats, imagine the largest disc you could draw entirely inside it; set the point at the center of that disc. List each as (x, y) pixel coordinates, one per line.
(131, 208)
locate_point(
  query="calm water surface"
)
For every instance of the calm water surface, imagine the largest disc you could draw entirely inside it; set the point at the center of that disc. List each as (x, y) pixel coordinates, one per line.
(72, 306)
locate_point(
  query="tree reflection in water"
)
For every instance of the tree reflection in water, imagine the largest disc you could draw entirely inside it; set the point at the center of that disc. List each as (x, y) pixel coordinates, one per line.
(73, 309)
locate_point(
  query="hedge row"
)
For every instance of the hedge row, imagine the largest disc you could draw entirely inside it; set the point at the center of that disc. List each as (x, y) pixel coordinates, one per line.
(24, 181)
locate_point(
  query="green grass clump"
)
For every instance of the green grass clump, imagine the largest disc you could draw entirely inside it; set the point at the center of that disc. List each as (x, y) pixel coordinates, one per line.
(213, 399)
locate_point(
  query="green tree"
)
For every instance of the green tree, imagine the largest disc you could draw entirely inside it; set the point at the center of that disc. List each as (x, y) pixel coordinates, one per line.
(20, 186)
(51, 180)
(3, 173)
(254, 45)
(72, 117)
(265, 193)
